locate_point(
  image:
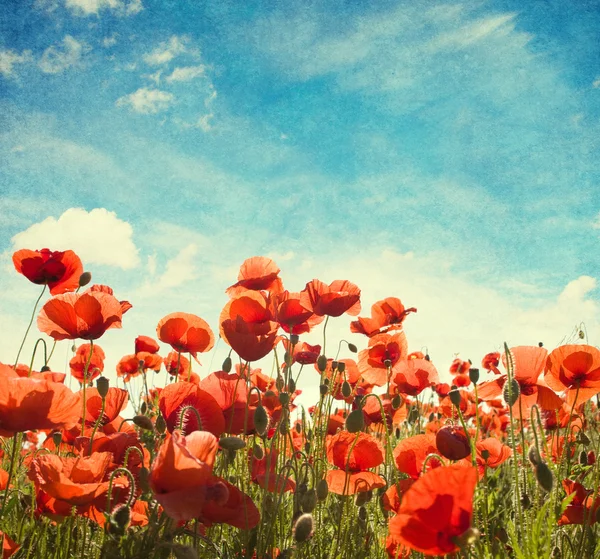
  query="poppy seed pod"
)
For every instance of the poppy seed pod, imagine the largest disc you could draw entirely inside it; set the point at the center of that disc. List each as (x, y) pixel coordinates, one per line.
(261, 420)
(454, 395)
(334, 365)
(294, 339)
(322, 363)
(474, 375)
(284, 398)
(227, 364)
(355, 421)
(84, 279)
(322, 490)
(56, 438)
(323, 389)
(346, 389)
(304, 528)
(341, 366)
(544, 477)
(232, 443)
(44, 369)
(511, 392)
(102, 384)
(143, 422)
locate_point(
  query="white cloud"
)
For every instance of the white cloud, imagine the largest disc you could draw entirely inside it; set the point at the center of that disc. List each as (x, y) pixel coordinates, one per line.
(97, 236)
(166, 51)
(10, 58)
(57, 59)
(111, 41)
(154, 77)
(84, 8)
(178, 271)
(147, 101)
(186, 73)
(596, 83)
(596, 223)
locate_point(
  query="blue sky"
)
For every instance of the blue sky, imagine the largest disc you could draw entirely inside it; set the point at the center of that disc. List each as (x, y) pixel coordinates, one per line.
(339, 136)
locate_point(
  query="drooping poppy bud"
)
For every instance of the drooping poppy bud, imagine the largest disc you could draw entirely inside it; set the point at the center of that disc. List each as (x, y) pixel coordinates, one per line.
(227, 364)
(304, 528)
(322, 490)
(309, 500)
(322, 363)
(544, 477)
(84, 279)
(232, 443)
(355, 421)
(511, 392)
(143, 422)
(261, 420)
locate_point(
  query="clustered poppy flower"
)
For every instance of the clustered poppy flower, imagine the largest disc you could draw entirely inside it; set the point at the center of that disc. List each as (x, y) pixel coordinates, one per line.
(60, 271)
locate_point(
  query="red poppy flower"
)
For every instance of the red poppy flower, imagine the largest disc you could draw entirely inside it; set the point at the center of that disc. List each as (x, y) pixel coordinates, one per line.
(264, 473)
(131, 366)
(258, 273)
(27, 404)
(335, 299)
(576, 370)
(387, 314)
(238, 510)
(490, 362)
(147, 344)
(353, 454)
(247, 326)
(293, 312)
(86, 316)
(529, 362)
(436, 510)
(9, 547)
(177, 365)
(582, 508)
(413, 376)
(410, 454)
(496, 454)
(114, 403)
(383, 349)
(182, 474)
(393, 495)
(231, 394)
(452, 442)
(59, 270)
(186, 333)
(80, 360)
(179, 395)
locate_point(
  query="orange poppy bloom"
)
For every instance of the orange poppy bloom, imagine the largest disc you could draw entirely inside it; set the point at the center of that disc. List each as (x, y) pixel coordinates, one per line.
(304, 353)
(247, 326)
(9, 547)
(413, 376)
(393, 495)
(410, 454)
(258, 273)
(114, 403)
(238, 510)
(264, 473)
(353, 454)
(335, 299)
(181, 476)
(27, 404)
(60, 271)
(293, 312)
(80, 359)
(576, 370)
(436, 510)
(582, 508)
(147, 344)
(177, 365)
(387, 314)
(490, 362)
(131, 366)
(186, 333)
(179, 395)
(84, 315)
(383, 348)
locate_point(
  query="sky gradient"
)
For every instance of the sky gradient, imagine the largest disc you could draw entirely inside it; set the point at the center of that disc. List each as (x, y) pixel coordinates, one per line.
(443, 153)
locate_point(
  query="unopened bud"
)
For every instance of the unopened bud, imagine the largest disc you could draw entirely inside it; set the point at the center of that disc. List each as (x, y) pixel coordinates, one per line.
(102, 384)
(143, 408)
(284, 398)
(322, 490)
(396, 402)
(258, 452)
(161, 424)
(511, 392)
(544, 477)
(232, 443)
(355, 421)
(309, 500)
(120, 519)
(304, 528)
(279, 383)
(322, 363)
(84, 279)
(534, 456)
(361, 498)
(352, 348)
(291, 385)
(362, 514)
(143, 422)
(583, 458)
(227, 364)
(323, 389)
(261, 420)
(44, 369)
(583, 439)
(455, 397)
(144, 479)
(346, 389)
(525, 501)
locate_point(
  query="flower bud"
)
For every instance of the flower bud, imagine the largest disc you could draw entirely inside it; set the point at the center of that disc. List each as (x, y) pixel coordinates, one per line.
(44, 369)
(362, 514)
(291, 385)
(258, 452)
(352, 348)
(143, 422)
(84, 279)
(396, 402)
(322, 490)
(120, 519)
(144, 479)
(355, 421)
(361, 498)
(232, 443)
(323, 389)
(279, 383)
(161, 424)
(143, 408)
(322, 363)
(261, 420)
(525, 501)
(511, 392)
(544, 477)
(346, 389)
(102, 384)
(583, 439)
(341, 366)
(309, 500)
(304, 528)
(284, 398)
(227, 364)
(534, 456)
(583, 458)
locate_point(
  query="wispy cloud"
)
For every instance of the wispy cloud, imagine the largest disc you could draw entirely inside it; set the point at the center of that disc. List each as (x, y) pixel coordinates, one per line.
(186, 73)
(57, 59)
(147, 101)
(10, 58)
(167, 51)
(85, 8)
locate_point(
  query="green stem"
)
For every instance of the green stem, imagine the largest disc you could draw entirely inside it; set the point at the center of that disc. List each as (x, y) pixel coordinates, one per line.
(30, 323)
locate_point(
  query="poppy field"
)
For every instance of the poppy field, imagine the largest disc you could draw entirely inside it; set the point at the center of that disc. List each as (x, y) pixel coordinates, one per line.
(389, 461)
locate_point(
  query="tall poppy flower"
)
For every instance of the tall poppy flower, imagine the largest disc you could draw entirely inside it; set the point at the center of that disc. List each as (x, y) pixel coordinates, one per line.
(335, 299)
(186, 333)
(293, 312)
(412, 376)
(60, 271)
(436, 511)
(95, 362)
(410, 454)
(583, 506)
(27, 404)
(387, 314)
(84, 315)
(147, 344)
(114, 403)
(574, 369)
(529, 363)
(258, 273)
(130, 366)
(354, 455)
(247, 325)
(384, 350)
